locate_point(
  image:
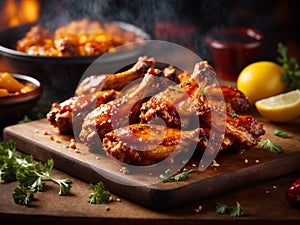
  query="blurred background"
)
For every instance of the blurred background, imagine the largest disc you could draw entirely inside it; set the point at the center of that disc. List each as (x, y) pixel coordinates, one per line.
(180, 21)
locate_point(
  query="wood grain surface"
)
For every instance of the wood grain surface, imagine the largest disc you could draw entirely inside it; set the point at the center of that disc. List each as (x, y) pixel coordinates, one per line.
(235, 170)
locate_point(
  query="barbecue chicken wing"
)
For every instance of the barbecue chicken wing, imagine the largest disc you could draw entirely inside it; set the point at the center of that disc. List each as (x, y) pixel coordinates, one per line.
(235, 99)
(241, 132)
(116, 81)
(178, 104)
(144, 144)
(61, 115)
(119, 112)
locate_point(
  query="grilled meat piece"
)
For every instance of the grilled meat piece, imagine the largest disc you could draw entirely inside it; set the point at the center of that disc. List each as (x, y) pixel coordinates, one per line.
(144, 144)
(62, 115)
(241, 133)
(116, 81)
(119, 112)
(234, 97)
(178, 104)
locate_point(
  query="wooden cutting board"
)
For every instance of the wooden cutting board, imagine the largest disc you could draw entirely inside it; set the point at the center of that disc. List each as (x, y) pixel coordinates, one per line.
(234, 170)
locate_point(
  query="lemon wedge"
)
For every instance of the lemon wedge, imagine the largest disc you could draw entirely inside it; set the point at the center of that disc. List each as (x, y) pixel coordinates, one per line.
(280, 108)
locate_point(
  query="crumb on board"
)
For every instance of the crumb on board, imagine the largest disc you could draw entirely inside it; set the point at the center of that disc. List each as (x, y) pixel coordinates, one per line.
(72, 144)
(214, 163)
(45, 132)
(124, 170)
(77, 150)
(197, 210)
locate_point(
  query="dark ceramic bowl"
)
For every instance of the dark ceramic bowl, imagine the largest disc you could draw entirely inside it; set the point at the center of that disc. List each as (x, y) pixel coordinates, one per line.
(59, 75)
(14, 107)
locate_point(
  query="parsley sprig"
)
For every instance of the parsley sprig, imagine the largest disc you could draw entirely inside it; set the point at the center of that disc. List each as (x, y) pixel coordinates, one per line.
(177, 177)
(100, 194)
(270, 146)
(280, 133)
(291, 67)
(30, 176)
(236, 211)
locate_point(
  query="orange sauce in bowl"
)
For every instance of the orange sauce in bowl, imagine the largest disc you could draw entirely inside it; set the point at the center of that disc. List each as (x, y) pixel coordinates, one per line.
(11, 86)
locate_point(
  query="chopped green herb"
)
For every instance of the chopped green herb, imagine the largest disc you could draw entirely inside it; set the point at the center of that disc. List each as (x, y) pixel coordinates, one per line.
(186, 82)
(93, 98)
(124, 101)
(291, 67)
(25, 119)
(14, 167)
(184, 162)
(270, 146)
(178, 177)
(280, 133)
(233, 115)
(100, 195)
(236, 211)
(140, 127)
(205, 93)
(175, 89)
(22, 195)
(221, 208)
(144, 107)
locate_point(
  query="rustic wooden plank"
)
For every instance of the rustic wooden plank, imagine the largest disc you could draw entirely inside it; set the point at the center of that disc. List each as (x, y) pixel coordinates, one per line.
(232, 173)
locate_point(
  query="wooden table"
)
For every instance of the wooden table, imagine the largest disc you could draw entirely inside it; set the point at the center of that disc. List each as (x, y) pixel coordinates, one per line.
(262, 203)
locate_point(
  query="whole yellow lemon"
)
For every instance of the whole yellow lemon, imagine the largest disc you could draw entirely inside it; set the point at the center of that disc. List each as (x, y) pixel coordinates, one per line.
(261, 80)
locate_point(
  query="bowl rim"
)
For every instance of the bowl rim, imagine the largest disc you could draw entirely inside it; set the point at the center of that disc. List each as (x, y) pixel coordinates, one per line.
(8, 51)
(256, 35)
(23, 97)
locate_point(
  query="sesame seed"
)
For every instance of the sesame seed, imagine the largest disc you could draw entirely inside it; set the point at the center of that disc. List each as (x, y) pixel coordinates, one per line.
(214, 163)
